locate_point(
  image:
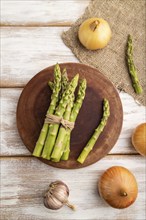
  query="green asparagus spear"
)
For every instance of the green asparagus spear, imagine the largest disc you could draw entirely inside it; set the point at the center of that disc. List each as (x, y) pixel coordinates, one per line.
(53, 129)
(66, 151)
(59, 146)
(64, 81)
(50, 84)
(74, 114)
(54, 99)
(132, 70)
(98, 130)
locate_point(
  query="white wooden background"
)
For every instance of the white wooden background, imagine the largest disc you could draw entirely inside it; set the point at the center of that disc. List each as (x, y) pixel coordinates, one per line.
(30, 41)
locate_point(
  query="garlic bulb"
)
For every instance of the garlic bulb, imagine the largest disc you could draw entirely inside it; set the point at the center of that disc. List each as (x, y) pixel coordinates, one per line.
(94, 33)
(57, 196)
(139, 139)
(118, 187)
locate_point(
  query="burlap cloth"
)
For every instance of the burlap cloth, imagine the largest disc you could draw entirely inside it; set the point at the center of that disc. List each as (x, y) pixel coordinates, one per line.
(125, 17)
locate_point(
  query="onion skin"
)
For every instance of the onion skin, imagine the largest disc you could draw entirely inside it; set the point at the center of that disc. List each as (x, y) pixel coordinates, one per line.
(139, 139)
(118, 187)
(94, 33)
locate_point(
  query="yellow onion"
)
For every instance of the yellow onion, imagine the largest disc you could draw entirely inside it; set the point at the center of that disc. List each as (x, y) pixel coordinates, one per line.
(139, 139)
(94, 33)
(118, 187)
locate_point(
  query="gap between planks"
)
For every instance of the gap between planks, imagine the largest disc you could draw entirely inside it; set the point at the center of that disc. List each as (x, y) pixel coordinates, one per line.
(30, 156)
(64, 24)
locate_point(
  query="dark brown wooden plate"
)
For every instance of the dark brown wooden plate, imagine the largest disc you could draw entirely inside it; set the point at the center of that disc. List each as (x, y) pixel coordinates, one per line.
(34, 102)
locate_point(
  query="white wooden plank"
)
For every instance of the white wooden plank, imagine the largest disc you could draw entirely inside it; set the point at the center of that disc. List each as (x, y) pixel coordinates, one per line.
(24, 181)
(26, 51)
(32, 13)
(12, 145)
(133, 115)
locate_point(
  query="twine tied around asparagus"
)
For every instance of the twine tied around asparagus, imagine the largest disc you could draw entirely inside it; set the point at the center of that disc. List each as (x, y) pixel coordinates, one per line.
(54, 119)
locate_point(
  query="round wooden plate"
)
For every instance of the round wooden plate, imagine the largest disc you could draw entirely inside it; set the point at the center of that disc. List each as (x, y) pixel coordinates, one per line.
(34, 102)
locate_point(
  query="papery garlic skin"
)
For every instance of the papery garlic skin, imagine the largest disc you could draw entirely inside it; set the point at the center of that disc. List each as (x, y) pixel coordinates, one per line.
(94, 33)
(118, 187)
(139, 139)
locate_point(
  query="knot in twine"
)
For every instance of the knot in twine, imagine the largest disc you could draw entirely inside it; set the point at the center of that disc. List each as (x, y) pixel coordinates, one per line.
(54, 119)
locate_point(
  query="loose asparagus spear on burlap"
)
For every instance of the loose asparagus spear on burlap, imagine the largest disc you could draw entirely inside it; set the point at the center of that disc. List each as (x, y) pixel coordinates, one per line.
(98, 130)
(54, 100)
(75, 111)
(53, 128)
(131, 67)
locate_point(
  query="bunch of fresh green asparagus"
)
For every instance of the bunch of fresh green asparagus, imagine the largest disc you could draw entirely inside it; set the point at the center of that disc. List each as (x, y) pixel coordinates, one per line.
(54, 139)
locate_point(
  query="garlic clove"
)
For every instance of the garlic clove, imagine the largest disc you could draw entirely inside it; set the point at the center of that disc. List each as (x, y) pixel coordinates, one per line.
(118, 187)
(59, 185)
(52, 203)
(60, 194)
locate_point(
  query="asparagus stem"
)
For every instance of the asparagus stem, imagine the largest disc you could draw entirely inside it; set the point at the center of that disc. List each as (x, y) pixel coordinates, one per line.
(54, 100)
(75, 111)
(55, 160)
(50, 84)
(131, 67)
(64, 83)
(53, 129)
(98, 130)
(66, 152)
(60, 144)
